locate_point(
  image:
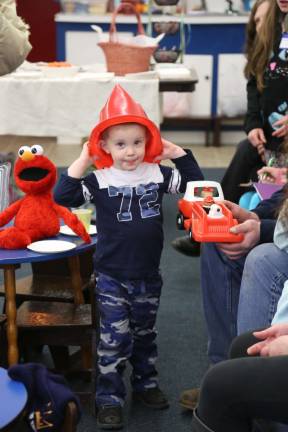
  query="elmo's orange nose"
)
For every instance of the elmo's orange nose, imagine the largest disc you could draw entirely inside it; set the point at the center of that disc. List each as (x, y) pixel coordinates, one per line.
(27, 156)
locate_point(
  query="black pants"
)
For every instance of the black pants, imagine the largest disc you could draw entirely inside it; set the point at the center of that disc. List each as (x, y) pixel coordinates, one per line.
(243, 167)
(237, 391)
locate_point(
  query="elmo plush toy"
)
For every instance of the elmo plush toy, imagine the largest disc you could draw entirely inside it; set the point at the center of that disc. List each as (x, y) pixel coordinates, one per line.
(36, 214)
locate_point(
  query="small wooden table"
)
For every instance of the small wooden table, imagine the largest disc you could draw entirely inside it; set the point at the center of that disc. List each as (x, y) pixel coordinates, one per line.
(13, 399)
(10, 260)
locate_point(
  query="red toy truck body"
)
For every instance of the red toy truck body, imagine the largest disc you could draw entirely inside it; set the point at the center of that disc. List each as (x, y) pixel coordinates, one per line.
(193, 214)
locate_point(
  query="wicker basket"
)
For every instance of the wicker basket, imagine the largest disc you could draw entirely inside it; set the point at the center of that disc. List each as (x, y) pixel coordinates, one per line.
(123, 58)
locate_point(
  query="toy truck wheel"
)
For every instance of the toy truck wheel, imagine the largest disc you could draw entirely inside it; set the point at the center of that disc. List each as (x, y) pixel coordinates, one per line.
(180, 221)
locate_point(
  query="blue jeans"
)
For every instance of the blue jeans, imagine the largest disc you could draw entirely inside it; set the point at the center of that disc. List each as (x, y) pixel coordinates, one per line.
(265, 271)
(254, 283)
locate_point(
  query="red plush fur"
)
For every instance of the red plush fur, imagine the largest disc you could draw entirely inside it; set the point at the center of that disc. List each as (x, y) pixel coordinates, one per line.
(36, 214)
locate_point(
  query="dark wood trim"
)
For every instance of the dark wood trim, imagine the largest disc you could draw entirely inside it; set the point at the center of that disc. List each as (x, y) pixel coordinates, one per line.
(177, 86)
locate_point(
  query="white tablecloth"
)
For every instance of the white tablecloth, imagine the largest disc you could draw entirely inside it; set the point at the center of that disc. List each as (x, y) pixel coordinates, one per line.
(66, 106)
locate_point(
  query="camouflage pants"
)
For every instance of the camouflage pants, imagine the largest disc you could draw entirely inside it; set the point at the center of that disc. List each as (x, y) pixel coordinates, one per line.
(128, 311)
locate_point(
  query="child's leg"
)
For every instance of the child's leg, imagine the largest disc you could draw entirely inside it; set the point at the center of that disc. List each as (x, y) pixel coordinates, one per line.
(115, 340)
(144, 309)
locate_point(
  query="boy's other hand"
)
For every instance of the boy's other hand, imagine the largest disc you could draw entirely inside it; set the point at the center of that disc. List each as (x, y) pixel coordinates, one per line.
(84, 161)
(85, 155)
(170, 151)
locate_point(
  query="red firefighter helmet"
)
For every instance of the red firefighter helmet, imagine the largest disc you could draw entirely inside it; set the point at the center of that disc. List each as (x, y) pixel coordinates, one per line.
(121, 108)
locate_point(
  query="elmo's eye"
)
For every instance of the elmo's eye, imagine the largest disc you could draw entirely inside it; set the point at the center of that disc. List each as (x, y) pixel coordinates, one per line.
(23, 149)
(37, 150)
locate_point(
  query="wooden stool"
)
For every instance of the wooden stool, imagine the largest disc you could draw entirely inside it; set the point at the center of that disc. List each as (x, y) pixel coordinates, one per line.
(51, 280)
(61, 325)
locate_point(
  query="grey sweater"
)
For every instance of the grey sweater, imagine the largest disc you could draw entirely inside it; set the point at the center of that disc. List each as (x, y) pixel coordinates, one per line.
(14, 38)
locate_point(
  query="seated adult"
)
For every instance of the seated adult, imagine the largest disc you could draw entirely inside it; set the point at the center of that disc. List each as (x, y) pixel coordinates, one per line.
(249, 156)
(250, 276)
(251, 385)
(266, 118)
(241, 282)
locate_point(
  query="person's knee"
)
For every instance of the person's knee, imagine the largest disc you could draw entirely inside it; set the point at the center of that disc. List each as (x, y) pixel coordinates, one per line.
(255, 258)
(216, 389)
(243, 145)
(246, 148)
(222, 384)
(213, 380)
(240, 345)
(265, 256)
(253, 284)
(246, 152)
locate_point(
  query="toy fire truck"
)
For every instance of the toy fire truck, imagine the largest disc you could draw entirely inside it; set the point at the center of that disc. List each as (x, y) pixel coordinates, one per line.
(204, 216)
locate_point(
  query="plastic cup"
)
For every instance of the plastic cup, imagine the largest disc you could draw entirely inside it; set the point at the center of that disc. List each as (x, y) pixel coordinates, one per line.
(84, 215)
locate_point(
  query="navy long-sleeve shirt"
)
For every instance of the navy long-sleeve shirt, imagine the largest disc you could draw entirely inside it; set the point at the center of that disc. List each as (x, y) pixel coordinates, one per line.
(129, 212)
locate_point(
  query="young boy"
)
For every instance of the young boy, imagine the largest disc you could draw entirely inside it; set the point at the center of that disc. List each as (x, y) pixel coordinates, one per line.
(127, 193)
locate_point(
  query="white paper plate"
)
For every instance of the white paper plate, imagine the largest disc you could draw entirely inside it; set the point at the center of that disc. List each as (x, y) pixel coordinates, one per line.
(64, 229)
(51, 246)
(60, 72)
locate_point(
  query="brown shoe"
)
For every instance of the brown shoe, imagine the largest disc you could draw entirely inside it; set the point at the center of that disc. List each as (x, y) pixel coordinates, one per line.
(189, 398)
(186, 246)
(109, 417)
(152, 398)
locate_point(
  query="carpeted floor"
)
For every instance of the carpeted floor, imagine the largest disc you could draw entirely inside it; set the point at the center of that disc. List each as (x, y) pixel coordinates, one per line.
(181, 335)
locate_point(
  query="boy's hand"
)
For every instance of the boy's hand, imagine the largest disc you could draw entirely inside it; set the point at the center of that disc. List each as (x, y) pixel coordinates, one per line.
(170, 151)
(84, 161)
(85, 155)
